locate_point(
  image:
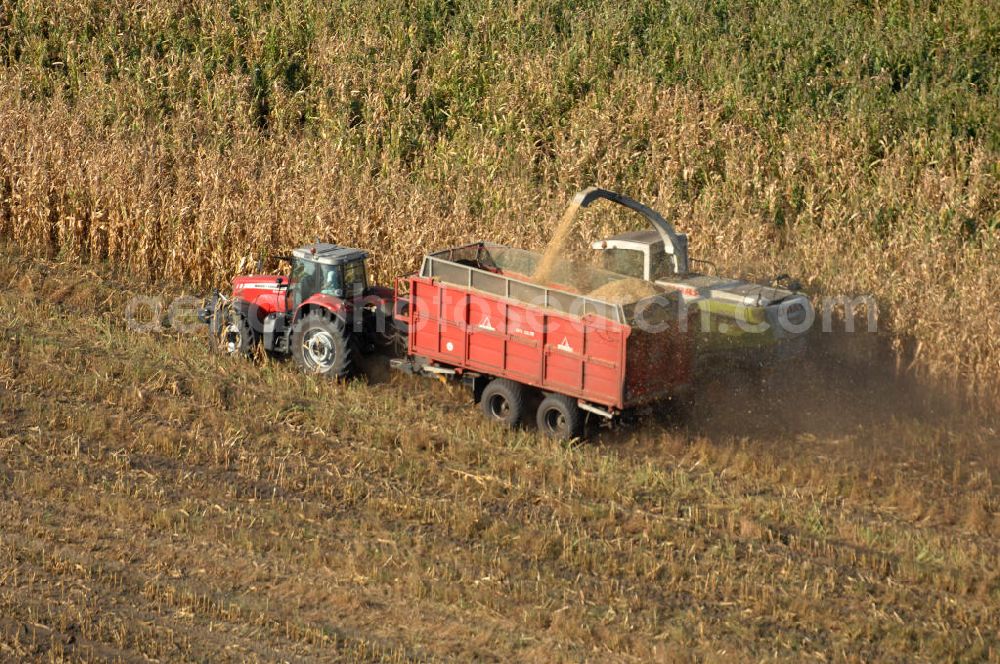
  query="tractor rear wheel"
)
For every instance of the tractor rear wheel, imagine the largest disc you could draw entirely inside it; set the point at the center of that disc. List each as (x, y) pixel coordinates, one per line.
(503, 401)
(560, 417)
(321, 345)
(233, 335)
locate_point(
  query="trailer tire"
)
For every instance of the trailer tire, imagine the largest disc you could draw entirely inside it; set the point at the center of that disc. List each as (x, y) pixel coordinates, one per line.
(321, 345)
(503, 401)
(560, 417)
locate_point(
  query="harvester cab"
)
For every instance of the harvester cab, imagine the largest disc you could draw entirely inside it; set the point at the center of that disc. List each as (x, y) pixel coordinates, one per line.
(736, 315)
(647, 253)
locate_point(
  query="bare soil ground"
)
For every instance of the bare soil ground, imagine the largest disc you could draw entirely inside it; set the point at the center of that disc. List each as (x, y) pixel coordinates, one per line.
(160, 503)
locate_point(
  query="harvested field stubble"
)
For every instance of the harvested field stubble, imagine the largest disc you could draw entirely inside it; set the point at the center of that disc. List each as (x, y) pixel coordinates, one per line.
(159, 501)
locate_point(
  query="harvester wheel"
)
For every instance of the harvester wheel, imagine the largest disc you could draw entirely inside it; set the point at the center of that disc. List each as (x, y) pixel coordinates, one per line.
(503, 401)
(320, 345)
(235, 336)
(560, 417)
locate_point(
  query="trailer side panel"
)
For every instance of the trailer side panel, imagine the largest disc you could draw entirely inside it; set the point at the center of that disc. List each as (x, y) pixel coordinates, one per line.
(583, 357)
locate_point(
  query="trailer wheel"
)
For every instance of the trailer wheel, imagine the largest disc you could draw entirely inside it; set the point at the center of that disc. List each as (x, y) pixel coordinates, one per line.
(320, 345)
(234, 336)
(560, 417)
(503, 400)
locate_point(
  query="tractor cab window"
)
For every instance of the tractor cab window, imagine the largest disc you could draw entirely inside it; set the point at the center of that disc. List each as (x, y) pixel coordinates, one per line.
(331, 282)
(629, 262)
(301, 270)
(309, 277)
(302, 280)
(355, 280)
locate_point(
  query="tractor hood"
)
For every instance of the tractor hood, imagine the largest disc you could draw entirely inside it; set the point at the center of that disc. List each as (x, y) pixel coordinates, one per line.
(259, 282)
(256, 286)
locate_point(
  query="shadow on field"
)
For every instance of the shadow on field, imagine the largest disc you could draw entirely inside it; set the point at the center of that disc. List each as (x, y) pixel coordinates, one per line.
(373, 368)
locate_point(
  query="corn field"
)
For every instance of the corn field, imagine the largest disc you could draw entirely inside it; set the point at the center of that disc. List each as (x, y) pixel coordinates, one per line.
(852, 144)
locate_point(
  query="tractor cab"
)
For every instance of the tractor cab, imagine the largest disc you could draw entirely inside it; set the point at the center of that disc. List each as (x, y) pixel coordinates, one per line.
(326, 269)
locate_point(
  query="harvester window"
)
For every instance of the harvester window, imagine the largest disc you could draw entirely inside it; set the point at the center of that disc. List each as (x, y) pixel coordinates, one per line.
(624, 261)
(662, 267)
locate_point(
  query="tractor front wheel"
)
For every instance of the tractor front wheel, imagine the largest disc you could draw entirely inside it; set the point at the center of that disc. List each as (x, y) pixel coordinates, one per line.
(320, 345)
(233, 335)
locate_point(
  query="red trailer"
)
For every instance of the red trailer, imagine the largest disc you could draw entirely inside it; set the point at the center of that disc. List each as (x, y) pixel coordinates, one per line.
(474, 313)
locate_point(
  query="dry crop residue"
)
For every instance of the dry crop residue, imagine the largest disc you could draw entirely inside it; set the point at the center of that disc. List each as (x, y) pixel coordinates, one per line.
(218, 510)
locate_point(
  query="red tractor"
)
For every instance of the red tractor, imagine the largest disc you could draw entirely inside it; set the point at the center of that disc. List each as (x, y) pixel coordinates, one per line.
(321, 313)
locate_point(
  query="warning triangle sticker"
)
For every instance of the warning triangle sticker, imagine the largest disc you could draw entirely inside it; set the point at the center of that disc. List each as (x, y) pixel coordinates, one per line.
(486, 324)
